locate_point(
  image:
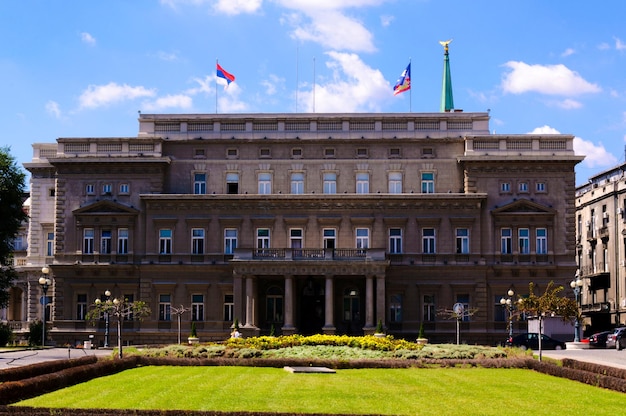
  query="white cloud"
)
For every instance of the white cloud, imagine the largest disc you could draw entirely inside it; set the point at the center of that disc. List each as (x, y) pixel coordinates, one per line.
(596, 156)
(569, 104)
(101, 95)
(271, 85)
(87, 38)
(385, 20)
(52, 107)
(619, 45)
(234, 7)
(167, 56)
(545, 79)
(354, 87)
(568, 52)
(169, 101)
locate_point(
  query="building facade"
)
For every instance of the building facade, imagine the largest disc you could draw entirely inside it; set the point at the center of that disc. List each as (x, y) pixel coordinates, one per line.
(601, 247)
(298, 223)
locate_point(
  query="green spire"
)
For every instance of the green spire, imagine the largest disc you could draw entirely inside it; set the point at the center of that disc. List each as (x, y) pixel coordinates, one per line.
(447, 102)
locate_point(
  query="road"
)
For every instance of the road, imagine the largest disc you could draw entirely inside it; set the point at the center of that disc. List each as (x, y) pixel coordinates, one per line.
(609, 357)
(20, 358)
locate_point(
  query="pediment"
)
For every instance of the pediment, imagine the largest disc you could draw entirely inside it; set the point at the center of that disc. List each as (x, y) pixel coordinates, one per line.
(105, 207)
(524, 206)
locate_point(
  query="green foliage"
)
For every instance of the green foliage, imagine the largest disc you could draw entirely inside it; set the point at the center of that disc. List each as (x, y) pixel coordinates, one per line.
(6, 334)
(421, 331)
(11, 199)
(379, 327)
(549, 303)
(34, 333)
(272, 331)
(194, 333)
(236, 324)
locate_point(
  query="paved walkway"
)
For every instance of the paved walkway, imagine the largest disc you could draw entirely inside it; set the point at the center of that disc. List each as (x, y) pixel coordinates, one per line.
(609, 357)
(18, 358)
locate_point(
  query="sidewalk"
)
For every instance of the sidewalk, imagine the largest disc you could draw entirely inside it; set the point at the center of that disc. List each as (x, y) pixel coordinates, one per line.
(21, 357)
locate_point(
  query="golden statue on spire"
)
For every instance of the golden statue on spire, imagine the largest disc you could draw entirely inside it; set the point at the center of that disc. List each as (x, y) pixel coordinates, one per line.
(445, 44)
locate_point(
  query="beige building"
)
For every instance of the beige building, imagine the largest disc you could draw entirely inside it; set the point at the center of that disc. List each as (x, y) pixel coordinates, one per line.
(600, 252)
(298, 223)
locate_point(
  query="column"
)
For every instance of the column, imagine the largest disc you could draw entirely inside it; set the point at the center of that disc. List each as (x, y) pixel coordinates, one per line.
(369, 302)
(249, 302)
(289, 302)
(329, 312)
(380, 298)
(238, 299)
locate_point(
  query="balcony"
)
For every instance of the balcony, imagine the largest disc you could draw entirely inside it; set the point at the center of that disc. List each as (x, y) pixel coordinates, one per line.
(599, 307)
(308, 254)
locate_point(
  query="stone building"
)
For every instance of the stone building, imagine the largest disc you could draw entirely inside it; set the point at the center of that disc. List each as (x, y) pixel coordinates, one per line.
(298, 223)
(600, 249)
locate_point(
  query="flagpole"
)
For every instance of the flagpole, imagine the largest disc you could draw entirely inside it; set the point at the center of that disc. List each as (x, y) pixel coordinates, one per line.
(216, 63)
(313, 84)
(297, 73)
(410, 90)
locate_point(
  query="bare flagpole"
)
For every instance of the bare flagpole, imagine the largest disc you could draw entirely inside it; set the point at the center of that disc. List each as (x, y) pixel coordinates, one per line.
(297, 73)
(410, 90)
(314, 84)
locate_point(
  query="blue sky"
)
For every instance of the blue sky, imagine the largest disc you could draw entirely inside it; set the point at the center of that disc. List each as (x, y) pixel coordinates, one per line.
(84, 68)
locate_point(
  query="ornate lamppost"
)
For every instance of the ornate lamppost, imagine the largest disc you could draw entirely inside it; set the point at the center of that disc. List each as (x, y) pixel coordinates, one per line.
(508, 304)
(44, 282)
(107, 293)
(577, 285)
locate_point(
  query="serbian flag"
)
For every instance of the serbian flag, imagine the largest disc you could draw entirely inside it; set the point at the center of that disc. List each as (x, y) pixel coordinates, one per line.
(404, 82)
(221, 73)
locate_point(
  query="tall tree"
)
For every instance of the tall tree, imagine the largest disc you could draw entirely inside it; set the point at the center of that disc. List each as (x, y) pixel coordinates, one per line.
(11, 217)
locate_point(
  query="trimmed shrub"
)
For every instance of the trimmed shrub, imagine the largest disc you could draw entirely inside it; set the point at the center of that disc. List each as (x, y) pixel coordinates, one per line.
(6, 334)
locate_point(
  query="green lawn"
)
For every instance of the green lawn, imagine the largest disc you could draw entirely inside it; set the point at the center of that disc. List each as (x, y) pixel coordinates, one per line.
(431, 391)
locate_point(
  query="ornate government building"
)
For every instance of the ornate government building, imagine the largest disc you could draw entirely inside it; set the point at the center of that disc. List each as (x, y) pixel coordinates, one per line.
(297, 223)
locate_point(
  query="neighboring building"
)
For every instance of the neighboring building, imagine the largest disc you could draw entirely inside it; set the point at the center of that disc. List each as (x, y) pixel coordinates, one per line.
(307, 223)
(601, 246)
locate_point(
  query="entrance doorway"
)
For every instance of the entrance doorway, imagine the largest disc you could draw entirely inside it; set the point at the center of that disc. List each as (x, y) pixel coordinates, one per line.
(312, 307)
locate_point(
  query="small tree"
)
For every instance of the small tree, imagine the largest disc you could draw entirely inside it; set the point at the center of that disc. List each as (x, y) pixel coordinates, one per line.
(194, 333)
(119, 310)
(548, 304)
(379, 327)
(34, 333)
(6, 334)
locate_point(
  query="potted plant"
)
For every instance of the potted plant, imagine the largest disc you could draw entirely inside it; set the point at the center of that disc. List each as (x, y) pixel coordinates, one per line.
(193, 338)
(380, 331)
(421, 339)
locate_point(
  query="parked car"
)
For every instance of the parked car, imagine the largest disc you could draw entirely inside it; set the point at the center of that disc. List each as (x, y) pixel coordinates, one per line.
(612, 337)
(531, 341)
(598, 340)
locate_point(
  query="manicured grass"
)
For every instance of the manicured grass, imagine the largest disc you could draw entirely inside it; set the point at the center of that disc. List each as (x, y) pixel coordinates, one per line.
(429, 391)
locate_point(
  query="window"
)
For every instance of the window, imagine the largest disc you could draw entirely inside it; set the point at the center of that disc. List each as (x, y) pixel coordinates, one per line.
(362, 238)
(296, 153)
(429, 308)
(540, 187)
(274, 305)
(506, 246)
(351, 305)
(428, 240)
(49, 244)
(330, 183)
(462, 241)
(232, 183)
(197, 307)
(295, 238)
(230, 240)
(395, 241)
(395, 182)
(524, 240)
(361, 152)
(464, 300)
(329, 235)
(198, 153)
(229, 308)
(88, 237)
(129, 298)
(124, 188)
(395, 308)
(428, 183)
(81, 306)
(165, 307)
(165, 241)
(262, 238)
(90, 189)
(505, 187)
(232, 153)
(122, 241)
(297, 183)
(499, 310)
(105, 242)
(199, 183)
(394, 152)
(523, 186)
(265, 152)
(265, 183)
(605, 216)
(197, 241)
(329, 152)
(107, 189)
(541, 241)
(51, 192)
(362, 183)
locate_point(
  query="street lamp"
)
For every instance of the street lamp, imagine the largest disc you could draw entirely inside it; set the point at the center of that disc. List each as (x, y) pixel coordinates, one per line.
(508, 304)
(107, 293)
(45, 283)
(577, 285)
